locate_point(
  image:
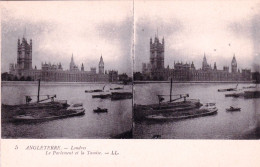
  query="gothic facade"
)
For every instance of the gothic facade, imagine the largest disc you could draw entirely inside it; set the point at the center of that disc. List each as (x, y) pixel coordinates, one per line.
(155, 70)
(54, 72)
(156, 67)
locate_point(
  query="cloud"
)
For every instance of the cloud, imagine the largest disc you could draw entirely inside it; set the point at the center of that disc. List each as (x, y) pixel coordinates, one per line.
(59, 29)
(216, 28)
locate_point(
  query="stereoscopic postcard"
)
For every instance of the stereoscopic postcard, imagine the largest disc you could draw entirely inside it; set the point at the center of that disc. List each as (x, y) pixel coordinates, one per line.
(82, 80)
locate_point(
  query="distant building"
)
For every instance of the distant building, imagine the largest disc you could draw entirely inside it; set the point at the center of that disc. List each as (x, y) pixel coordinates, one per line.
(101, 66)
(73, 66)
(234, 65)
(24, 54)
(53, 72)
(113, 76)
(155, 70)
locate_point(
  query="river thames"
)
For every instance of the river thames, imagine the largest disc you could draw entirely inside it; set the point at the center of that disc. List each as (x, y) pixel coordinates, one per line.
(243, 124)
(117, 120)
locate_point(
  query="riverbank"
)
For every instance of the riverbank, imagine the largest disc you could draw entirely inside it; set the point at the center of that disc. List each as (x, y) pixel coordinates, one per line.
(5, 83)
(235, 82)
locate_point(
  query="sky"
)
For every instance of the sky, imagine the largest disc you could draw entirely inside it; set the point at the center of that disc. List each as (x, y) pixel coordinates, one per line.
(60, 29)
(219, 29)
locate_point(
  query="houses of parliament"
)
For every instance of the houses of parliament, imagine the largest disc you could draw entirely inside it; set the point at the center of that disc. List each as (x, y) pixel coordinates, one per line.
(155, 70)
(55, 72)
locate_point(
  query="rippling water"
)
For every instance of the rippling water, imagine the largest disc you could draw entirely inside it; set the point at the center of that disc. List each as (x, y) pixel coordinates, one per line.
(225, 125)
(91, 125)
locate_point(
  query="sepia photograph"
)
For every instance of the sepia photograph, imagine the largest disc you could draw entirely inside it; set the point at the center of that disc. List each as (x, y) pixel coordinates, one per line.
(66, 70)
(196, 71)
(130, 83)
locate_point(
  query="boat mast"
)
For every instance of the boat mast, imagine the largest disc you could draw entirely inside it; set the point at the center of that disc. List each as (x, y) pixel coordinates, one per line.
(171, 91)
(38, 96)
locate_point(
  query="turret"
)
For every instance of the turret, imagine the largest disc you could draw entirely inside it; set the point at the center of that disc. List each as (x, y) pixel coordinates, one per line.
(72, 64)
(82, 67)
(215, 66)
(101, 66)
(24, 54)
(192, 66)
(157, 54)
(234, 65)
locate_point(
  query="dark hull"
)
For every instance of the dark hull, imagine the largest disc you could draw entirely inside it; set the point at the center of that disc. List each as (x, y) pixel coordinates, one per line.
(121, 95)
(141, 111)
(55, 104)
(226, 90)
(93, 91)
(252, 94)
(101, 96)
(231, 110)
(100, 111)
(47, 118)
(208, 113)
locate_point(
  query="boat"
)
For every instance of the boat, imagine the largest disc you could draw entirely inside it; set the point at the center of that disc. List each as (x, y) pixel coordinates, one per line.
(41, 110)
(233, 109)
(121, 95)
(50, 116)
(117, 88)
(246, 94)
(35, 105)
(252, 94)
(43, 114)
(95, 90)
(99, 110)
(229, 89)
(233, 95)
(40, 103)
(193, 113)
(102, 96)
(180, 104)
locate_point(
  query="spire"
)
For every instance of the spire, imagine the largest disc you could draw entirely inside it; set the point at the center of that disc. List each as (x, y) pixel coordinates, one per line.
(101, 62)
(101, 58)
(163, 40)
(24, 33)
(234, 60)
(72, 59)
(82, 67)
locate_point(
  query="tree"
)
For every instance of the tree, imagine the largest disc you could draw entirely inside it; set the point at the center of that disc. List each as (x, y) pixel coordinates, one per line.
(4, 76)
(256, 77)
(28, 78)
(10, 78)
(16, 78)
(155, 78)
(138, 76)
(22, 78)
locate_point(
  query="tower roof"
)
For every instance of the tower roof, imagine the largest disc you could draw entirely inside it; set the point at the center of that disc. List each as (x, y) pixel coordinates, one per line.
(234, 61)
(101, 60)
(72, 59)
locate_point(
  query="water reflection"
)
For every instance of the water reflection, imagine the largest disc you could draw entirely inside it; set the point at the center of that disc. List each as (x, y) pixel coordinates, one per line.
(224, 125)
(91, 125)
